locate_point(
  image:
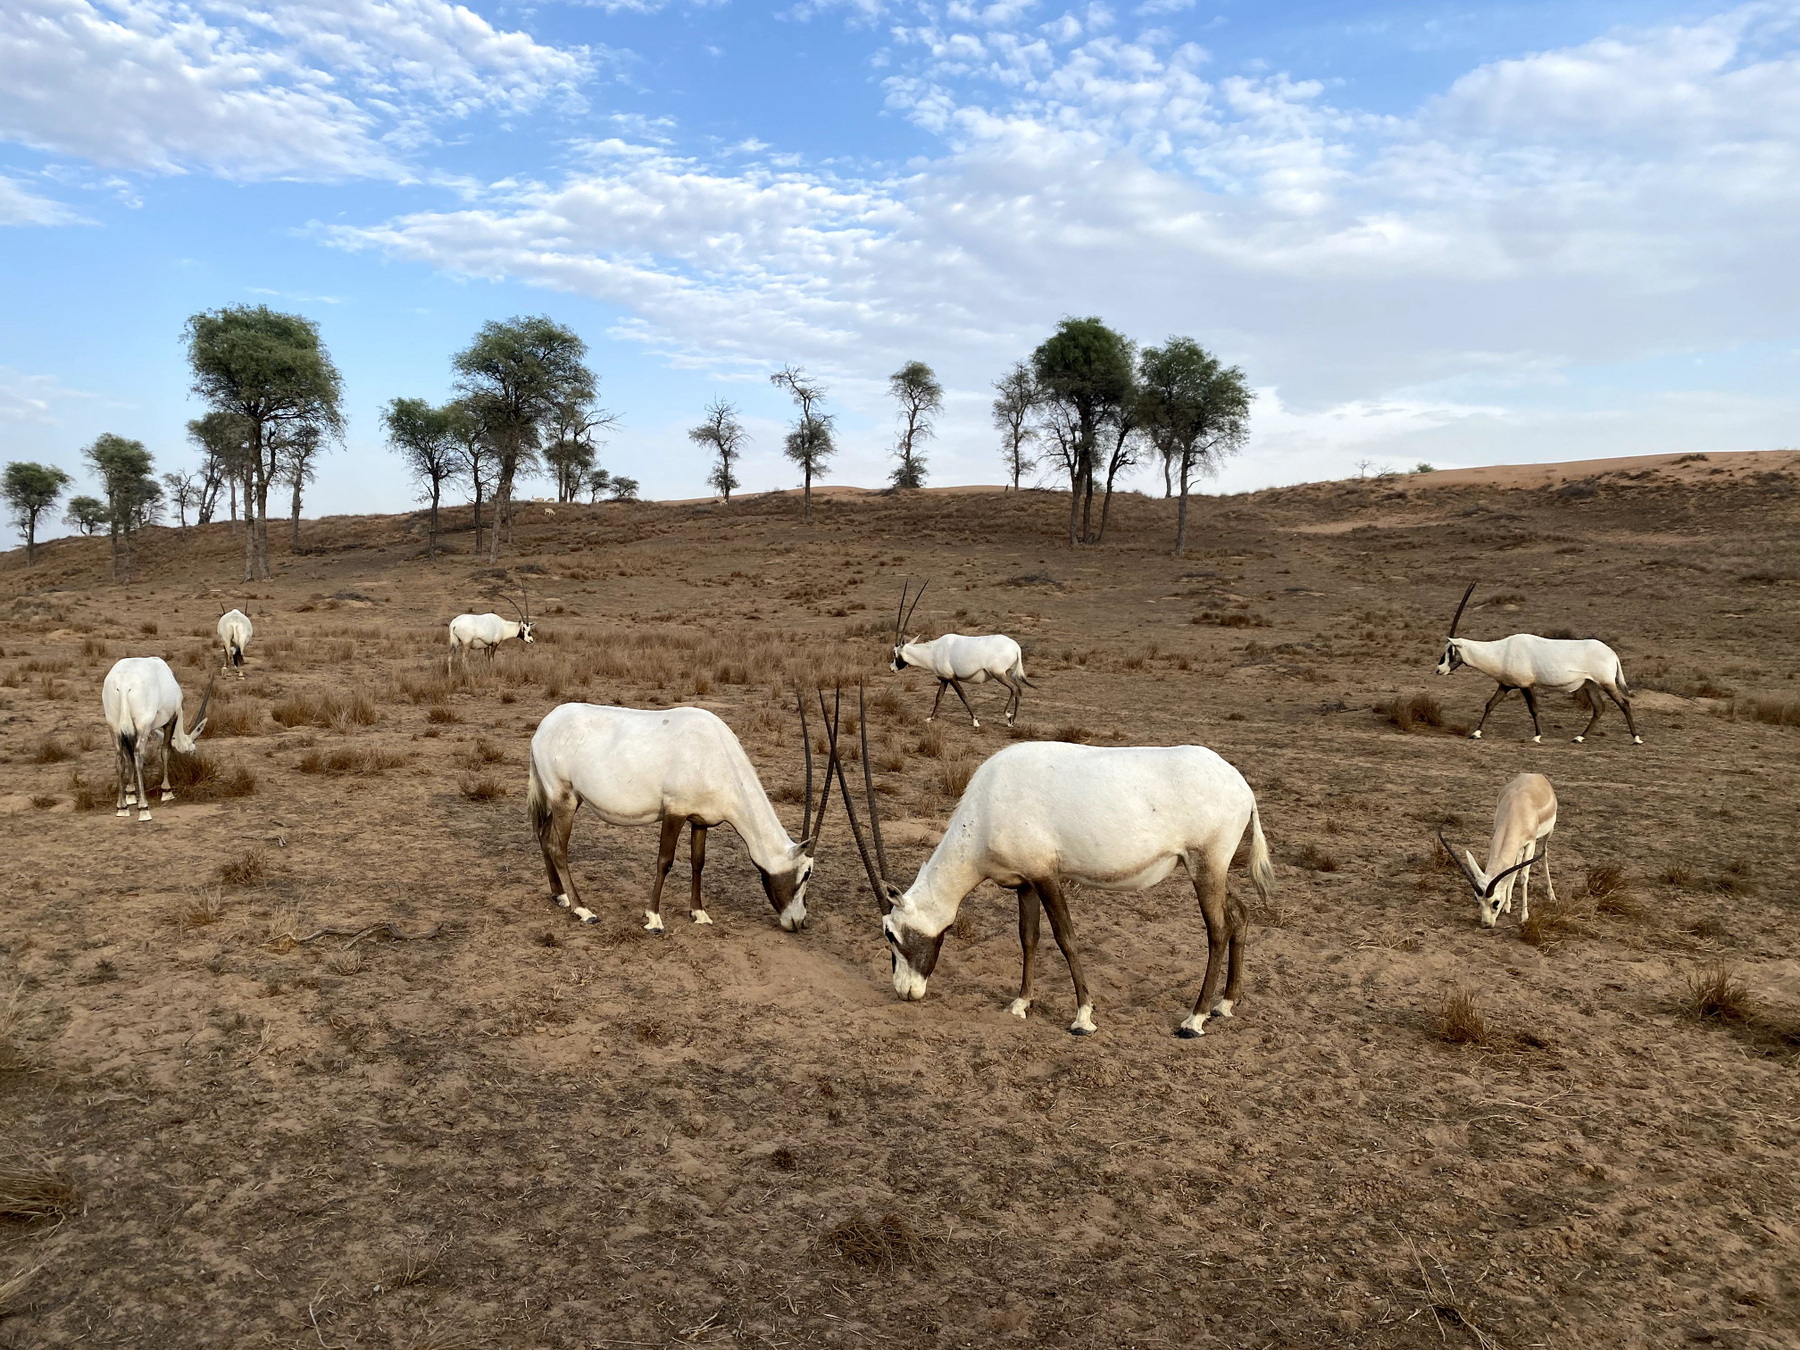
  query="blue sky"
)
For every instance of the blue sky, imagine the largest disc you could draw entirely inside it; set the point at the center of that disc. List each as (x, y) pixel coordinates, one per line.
(1465, 235)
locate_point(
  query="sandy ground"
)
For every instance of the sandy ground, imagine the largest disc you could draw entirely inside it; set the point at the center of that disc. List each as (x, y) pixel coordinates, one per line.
(523, 1132)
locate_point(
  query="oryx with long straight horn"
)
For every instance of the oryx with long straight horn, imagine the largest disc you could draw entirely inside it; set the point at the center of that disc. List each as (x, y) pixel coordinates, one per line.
(673, 767)
(1534, 664)
(235, 632)
(142, 702)
(955, 658)
(1523, 821)
(485, 632)
(1040, 814)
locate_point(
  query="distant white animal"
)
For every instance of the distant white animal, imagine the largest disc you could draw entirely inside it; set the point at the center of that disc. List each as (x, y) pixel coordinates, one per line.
(1555, 665)
(673, 766)
(485, 632)
(954, 658)
(1040, 813)
(1523, 821)
(143, 707)
(235, 632)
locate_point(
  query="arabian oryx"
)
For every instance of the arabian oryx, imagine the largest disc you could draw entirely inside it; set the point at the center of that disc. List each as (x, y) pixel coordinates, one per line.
(1555, 665)
(1522, 824)
(486, 632)
(235, 633)
(954, 658)
(143, 703)
(673, 766)
(1042, 813)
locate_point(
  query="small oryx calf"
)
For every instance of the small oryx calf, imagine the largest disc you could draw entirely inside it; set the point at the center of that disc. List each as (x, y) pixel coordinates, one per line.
(954, 658)
(1554, 665)
(1523, 821)
(142, 702)
(485, 632)
(234, 633)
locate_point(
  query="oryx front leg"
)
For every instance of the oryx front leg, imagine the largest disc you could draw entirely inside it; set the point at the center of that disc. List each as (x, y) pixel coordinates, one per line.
(665, 859)
(1492, 703)
(1209, 887)
(1592, 691)
(974, 721)
(939, 699)
(697, 855)
(1062, 927)
(168, 750)
(1537, 732)
(1030, 909)
(553, 839)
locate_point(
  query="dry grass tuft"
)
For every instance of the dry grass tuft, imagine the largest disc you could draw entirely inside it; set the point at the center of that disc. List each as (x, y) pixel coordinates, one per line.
(197, 778)
(87, 796)
(482, 752)
(482, 788)
(1716, 994)
(953, 775)
(341, 711)
(1421, 712)
(1775, 711)
(356, 763)
(10, 1289)
(249, 868)
(1075, 735)
(873, 1244)
(235, 719)
(43, 801)
(931, 741)
(1550, 922)
(1736, 879)
(1460, 1021)
(1316, 859)
(443, 717)
(1611, 894)
(30, 1191)
(1677, 874)
(49, 750)
(204, 908)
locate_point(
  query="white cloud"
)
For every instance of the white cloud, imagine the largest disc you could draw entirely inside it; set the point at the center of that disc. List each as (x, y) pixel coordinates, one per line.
(322, 89)
(36, 400)
(19, 205)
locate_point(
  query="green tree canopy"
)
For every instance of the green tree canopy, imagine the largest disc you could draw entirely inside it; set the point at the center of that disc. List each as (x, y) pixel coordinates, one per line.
(31, 489)
(1085, 368)
(920, 398)
(127, 474)
(1196, 411)
(426, 440)
(86, 514)
(725, 437)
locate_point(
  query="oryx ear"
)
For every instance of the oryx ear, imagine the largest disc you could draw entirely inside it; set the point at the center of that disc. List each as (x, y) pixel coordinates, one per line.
(805, 847)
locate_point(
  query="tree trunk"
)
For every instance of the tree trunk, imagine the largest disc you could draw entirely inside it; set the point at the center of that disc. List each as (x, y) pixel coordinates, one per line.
(31, 540)
(1168, 485)
(234, 506)
(249, 535)
(431, 539)
(1087, 501)
(477, 516)
(1106, 502)
(1181, 513)
(1074, 498)
(806, 513)
(502, 510)
(296, 515)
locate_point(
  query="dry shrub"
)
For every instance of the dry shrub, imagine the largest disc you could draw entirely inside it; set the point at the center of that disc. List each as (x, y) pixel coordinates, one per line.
(43, 801)
(783, 1159)
(197, 778)
(953, 775)
(1736, 879)
(872, 1244)
(1421, 712)
(87, 796)
(10, 1289)
(1774, 711)
(1075, 735)
(233, 720)
(1550, 923)
(12, 1058)
(1460, 1021)
(443, 716)
(32, 1190)
(356, 763)
(482, 788)
(1710, 927)
(482, 752)
(1313, 857)
(49, 750)
(148, 628)
(249, 868)
(1607, 887)
(1677, 874)
(204, 908)
(1716, 994)
(330, 709)
(1236, 619)
(931, 741)
(435, 691)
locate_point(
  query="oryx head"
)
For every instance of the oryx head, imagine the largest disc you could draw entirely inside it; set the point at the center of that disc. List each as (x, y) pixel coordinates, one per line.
(786, 886)
(1488, 892)
(185, 743)
(1452, 657)
(525, 624)
(901, 619)
(913, 950)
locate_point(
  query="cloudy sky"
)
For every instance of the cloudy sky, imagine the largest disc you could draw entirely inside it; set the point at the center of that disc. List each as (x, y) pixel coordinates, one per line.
(1464, 234)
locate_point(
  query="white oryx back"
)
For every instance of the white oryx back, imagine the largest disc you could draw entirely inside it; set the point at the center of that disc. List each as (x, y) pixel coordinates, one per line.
(1550, 665)
(140, 696)
(955, 656)
(235, 632)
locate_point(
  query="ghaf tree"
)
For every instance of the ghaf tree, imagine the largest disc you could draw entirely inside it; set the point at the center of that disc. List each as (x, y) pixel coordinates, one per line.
(725, 436)
(30, 490)
(920, 398)
(1196, 411)
(810, 443)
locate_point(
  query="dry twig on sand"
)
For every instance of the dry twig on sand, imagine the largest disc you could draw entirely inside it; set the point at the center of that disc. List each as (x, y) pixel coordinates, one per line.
(356, 935)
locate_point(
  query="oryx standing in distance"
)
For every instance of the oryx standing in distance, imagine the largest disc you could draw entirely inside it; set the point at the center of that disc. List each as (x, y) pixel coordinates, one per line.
(673, 767)
(235, 632)
(142, 702)
(488, 631)
(954, 658)
(1531, 664)
(1523, 820)
(1040, 814)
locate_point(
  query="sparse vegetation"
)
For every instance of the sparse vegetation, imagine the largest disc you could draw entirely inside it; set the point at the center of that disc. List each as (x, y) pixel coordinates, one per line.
(1419, 712)
(248, 868)
(1460, 1020)
(872, 1243)
(325, 710)
(1316, 859)
(482, 787)
(1718, 994)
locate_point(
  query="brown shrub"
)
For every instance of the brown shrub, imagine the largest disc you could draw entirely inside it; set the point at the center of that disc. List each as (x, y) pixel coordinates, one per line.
(482, 788)
(249, 868)
(330, 709)
(1736, 879)
(1236, 619)
(953, 775)
(348, 762)
(204, 908)
(199, 779)
(931, 741)
(49, 750)
(34, 1190)
(1075, 735)
(88, 797)
(1460, 1021)
(1315, 858)
(43, 801)
(1607, 887)
(1677, 874)
(1550, 922)
(443, 716)
(1716, 994)
(873, 1244)
(238, 719)
(1420, 712)
(1774, 711)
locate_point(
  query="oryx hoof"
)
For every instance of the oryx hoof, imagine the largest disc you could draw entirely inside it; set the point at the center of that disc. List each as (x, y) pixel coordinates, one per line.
(1075, 1030)
(975, 724)
(1083, 1025)
(168, 797)
(653, 923)
(1637, 740)
(1019, 1007)
(1537, 740)
(1222, 1008)
(700, 916)
(143, 817)
(586, 915)
(122, 812)
(1580, 739)
(1475, 735)
(563, 902)
(1192, 1027)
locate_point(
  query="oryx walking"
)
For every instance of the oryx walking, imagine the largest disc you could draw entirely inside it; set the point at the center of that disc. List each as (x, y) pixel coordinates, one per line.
(673, 767)
(485, 632)
(235, 632)
(1042, 813)
(142, 702)
(954, 658)
(1529, 664)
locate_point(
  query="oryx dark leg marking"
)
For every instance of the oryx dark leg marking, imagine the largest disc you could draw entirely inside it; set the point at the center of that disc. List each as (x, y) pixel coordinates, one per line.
(1625, 707)
(1209, 889)
(122, 767)
(1240, 939)
(957, 685)
(1531, 707)
(168, 751)
(1030, 909)
(1592, 691)
(697, 856)
(137, 767)
(553, 838)
(939, 699)
(665, 859)
(1062, 927)
(1499, 694)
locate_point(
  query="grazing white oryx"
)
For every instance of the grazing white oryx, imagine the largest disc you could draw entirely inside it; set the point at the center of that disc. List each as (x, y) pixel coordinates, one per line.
(676, 766)
(143, 703)
(487, 631)
(235, 632)
(954, 658)
(1522, 823)
(1554, 665)
(1041, 813)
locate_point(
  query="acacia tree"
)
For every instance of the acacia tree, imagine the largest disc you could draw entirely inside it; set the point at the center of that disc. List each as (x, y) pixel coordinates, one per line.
(299, 445)
(30, 490)
(920, 397)
(426, 440)
(1123, 424)
(1196, 411)
(810, 443)
(572, 454)
(1084, 369)
(133, 496)
(726, 437)
(86, 514)
(474, 451)
(226, 460)
(183, 492)
(514, 377)
(272, 370)
(1015, 397)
